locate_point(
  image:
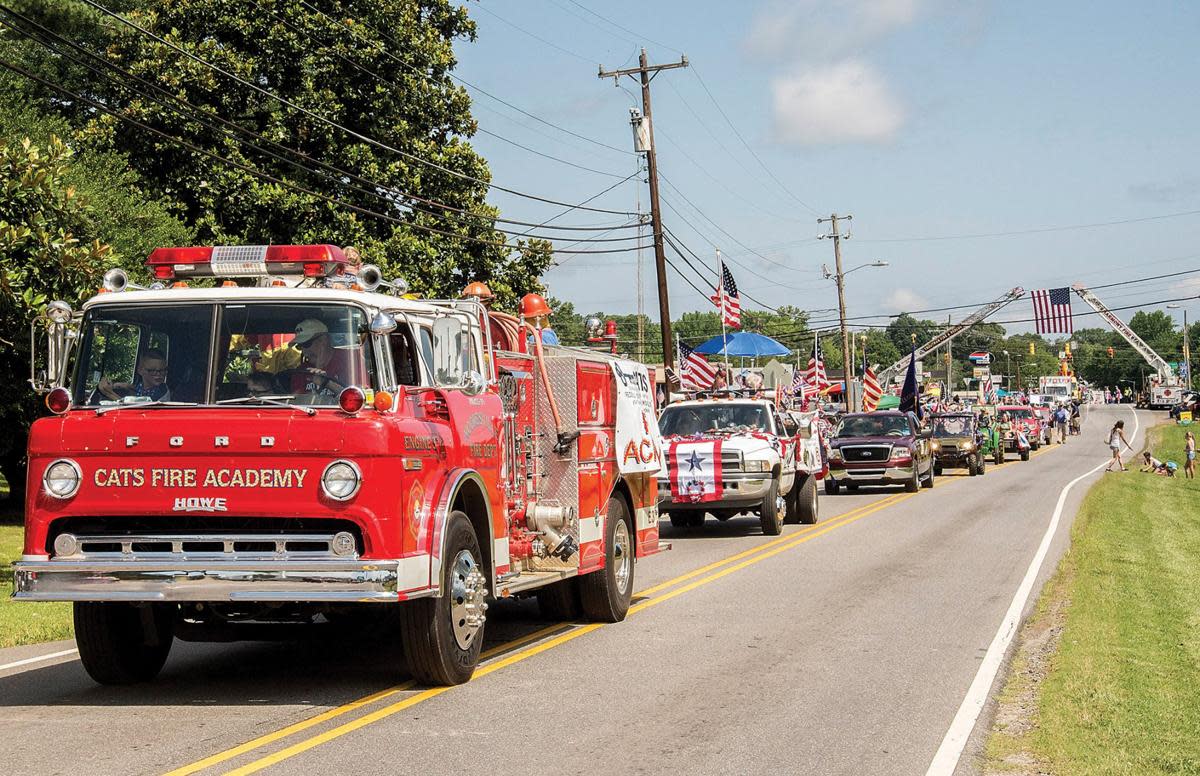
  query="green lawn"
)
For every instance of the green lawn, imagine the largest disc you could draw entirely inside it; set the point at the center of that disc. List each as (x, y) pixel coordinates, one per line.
(26, 623)
(1121, 694)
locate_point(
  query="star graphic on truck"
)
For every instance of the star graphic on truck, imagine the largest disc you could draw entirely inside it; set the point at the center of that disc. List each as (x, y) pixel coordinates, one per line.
(694, 462)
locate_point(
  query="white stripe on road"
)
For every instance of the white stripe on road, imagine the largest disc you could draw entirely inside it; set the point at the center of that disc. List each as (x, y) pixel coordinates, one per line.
(31, 660)
(955, 740)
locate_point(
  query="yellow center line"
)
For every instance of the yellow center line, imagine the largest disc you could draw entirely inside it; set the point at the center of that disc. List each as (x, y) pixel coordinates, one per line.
(387, 711)
(508, 646)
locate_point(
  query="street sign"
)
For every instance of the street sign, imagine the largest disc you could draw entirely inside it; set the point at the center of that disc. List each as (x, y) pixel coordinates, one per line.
(980, 358)
(980, 372)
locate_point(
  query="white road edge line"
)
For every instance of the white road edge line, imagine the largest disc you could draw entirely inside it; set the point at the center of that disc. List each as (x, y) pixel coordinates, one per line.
(945, 761)
(40, 658)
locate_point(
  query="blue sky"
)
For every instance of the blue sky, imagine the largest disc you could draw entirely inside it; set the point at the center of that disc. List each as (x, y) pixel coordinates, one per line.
(922, 118)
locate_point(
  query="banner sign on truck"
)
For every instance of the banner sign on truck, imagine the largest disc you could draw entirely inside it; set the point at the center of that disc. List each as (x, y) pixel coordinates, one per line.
(639, 445)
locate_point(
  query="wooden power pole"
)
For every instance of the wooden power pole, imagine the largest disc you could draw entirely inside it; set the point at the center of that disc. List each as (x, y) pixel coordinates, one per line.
(836, 236)
(644, 73)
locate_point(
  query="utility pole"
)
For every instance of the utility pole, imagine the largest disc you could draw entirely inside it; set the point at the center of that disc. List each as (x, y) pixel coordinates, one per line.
(1187, 354)
(949, 364)
(836, 236)
(644, 73)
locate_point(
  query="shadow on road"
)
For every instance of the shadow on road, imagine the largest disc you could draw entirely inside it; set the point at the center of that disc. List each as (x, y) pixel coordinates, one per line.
(319, 666)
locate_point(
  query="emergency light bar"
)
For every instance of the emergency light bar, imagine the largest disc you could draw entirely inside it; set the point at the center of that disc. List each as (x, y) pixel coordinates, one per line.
(231, 261)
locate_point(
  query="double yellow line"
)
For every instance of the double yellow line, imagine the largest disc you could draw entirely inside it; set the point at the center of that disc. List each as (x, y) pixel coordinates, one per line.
(504, 653)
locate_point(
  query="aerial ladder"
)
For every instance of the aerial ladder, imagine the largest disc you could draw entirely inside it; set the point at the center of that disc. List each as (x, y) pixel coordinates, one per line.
(1165, 389)
(949, 333)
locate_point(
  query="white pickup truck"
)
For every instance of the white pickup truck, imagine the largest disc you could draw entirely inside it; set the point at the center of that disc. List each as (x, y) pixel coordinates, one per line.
(769, 464)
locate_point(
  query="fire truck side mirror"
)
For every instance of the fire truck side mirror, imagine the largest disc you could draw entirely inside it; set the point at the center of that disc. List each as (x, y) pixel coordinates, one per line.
(57, 319)
(450, 349)
(383, 323)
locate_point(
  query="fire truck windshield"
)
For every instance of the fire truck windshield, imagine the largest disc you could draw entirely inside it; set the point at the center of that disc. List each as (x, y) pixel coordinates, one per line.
(264, 352)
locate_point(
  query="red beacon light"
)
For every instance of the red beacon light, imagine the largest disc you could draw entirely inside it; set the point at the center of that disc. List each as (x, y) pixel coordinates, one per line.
(234, 261)
(352, 400)
(58, 400)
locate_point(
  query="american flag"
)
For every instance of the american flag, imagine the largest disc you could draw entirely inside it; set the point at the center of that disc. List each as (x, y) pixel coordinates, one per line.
(726, 297)
(1052, 309)
(695, 374)
(871, 390)
(814, 375)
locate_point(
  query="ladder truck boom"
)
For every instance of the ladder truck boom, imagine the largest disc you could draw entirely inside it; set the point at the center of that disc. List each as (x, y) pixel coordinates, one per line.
(1120, 327)
(950, 332)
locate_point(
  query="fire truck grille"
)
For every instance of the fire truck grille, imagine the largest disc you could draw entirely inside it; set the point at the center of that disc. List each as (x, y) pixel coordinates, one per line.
(214, 538)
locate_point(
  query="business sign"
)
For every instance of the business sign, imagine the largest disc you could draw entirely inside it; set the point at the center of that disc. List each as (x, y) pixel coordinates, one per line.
(980, 358)
(980, 372)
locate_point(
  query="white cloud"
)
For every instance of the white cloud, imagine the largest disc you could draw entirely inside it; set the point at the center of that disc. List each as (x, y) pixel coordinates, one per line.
(844, 102)
(904, 299)
(823, 29)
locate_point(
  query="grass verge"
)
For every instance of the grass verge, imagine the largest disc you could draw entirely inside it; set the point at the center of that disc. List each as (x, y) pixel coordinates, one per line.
(1106, 679)
(23, 622)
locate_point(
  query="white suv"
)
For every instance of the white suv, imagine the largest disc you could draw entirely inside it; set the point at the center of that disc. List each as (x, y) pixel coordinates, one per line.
(769, 463)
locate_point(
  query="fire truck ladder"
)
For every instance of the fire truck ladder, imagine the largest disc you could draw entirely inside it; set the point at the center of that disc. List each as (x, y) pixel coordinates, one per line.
(950, 332)
(1120, 327)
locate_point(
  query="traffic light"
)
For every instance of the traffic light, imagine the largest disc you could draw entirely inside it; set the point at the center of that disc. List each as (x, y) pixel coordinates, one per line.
(1032, 349)
(1110, 351)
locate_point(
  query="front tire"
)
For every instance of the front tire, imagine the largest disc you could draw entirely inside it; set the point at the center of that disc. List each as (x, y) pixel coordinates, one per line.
(914, 482)
(695, 519)
(973, 465)
(678, 519)
(605, 594)
(122, 643)
(443, 636)
(1024, 455)
(928, 483)
(771, 514)
(809, 505)
(998, 459)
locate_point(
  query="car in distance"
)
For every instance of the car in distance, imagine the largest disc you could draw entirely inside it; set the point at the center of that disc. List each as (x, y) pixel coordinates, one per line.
(879, 448)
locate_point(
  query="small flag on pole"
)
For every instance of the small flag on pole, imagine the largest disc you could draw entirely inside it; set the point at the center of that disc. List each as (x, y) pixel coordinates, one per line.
(871, 390)
(815, 375)
(695, 374)
(1052, 311)
(726, 298)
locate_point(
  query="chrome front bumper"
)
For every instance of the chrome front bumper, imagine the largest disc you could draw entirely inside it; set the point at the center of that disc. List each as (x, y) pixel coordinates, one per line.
(310, 581)
(892, 475)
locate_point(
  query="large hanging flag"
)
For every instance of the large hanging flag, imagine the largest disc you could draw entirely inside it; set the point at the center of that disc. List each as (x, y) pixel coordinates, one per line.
(726, 298)
(1052, 310)
(695, 374)
(815, 375)
(910, 400)
(872, 391)
(695, 470)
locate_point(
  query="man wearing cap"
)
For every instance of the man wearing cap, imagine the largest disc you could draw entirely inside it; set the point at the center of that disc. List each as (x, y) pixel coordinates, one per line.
(324, 369)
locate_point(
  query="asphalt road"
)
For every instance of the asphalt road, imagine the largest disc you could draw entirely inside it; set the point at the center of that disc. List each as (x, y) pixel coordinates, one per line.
(841, 648)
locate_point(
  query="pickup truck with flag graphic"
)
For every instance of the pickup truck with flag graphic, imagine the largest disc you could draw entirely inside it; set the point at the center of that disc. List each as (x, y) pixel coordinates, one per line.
(729, 455)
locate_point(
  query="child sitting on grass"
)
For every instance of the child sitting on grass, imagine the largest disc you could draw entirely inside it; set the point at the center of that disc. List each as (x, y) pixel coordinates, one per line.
(1156, 466)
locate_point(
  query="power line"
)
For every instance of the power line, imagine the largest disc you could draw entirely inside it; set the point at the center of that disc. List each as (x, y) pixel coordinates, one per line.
(273, 179)
(636, 35)
(1038, 230)
(400, 47)
(357, 135)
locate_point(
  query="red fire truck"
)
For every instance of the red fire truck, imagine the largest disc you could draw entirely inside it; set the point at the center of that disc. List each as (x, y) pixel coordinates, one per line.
(289, 446)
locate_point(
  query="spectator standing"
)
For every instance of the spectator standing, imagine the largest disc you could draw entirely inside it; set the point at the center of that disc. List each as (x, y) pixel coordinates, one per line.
(1116, 438)
(1189, 455)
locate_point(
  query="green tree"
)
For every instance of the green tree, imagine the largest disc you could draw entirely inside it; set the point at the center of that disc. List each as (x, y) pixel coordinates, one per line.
(380, 69)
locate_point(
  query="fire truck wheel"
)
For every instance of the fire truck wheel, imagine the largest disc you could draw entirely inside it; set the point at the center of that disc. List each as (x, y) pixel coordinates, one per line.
(442, 636)
(606, 593)
(770, 515)
(123, 643)
(560, 601)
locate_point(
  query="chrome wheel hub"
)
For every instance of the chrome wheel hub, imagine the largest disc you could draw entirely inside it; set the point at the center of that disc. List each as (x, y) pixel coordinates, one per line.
(622, 557)
(468, 594)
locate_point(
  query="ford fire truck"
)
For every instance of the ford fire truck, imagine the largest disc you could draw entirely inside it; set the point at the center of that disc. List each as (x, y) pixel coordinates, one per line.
(306, 440)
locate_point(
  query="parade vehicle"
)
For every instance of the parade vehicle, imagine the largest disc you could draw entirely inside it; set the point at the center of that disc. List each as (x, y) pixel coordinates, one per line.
(727, 453)
(957, 443)
(1013, 435)
(1022, 415)
(228, 461)
(991, 441)
(1045, 416)
(880, 448)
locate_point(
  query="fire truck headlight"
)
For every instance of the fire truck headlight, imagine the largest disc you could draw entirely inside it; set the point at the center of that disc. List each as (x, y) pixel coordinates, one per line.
(62, 478)
(65, 544)
(341, 480)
